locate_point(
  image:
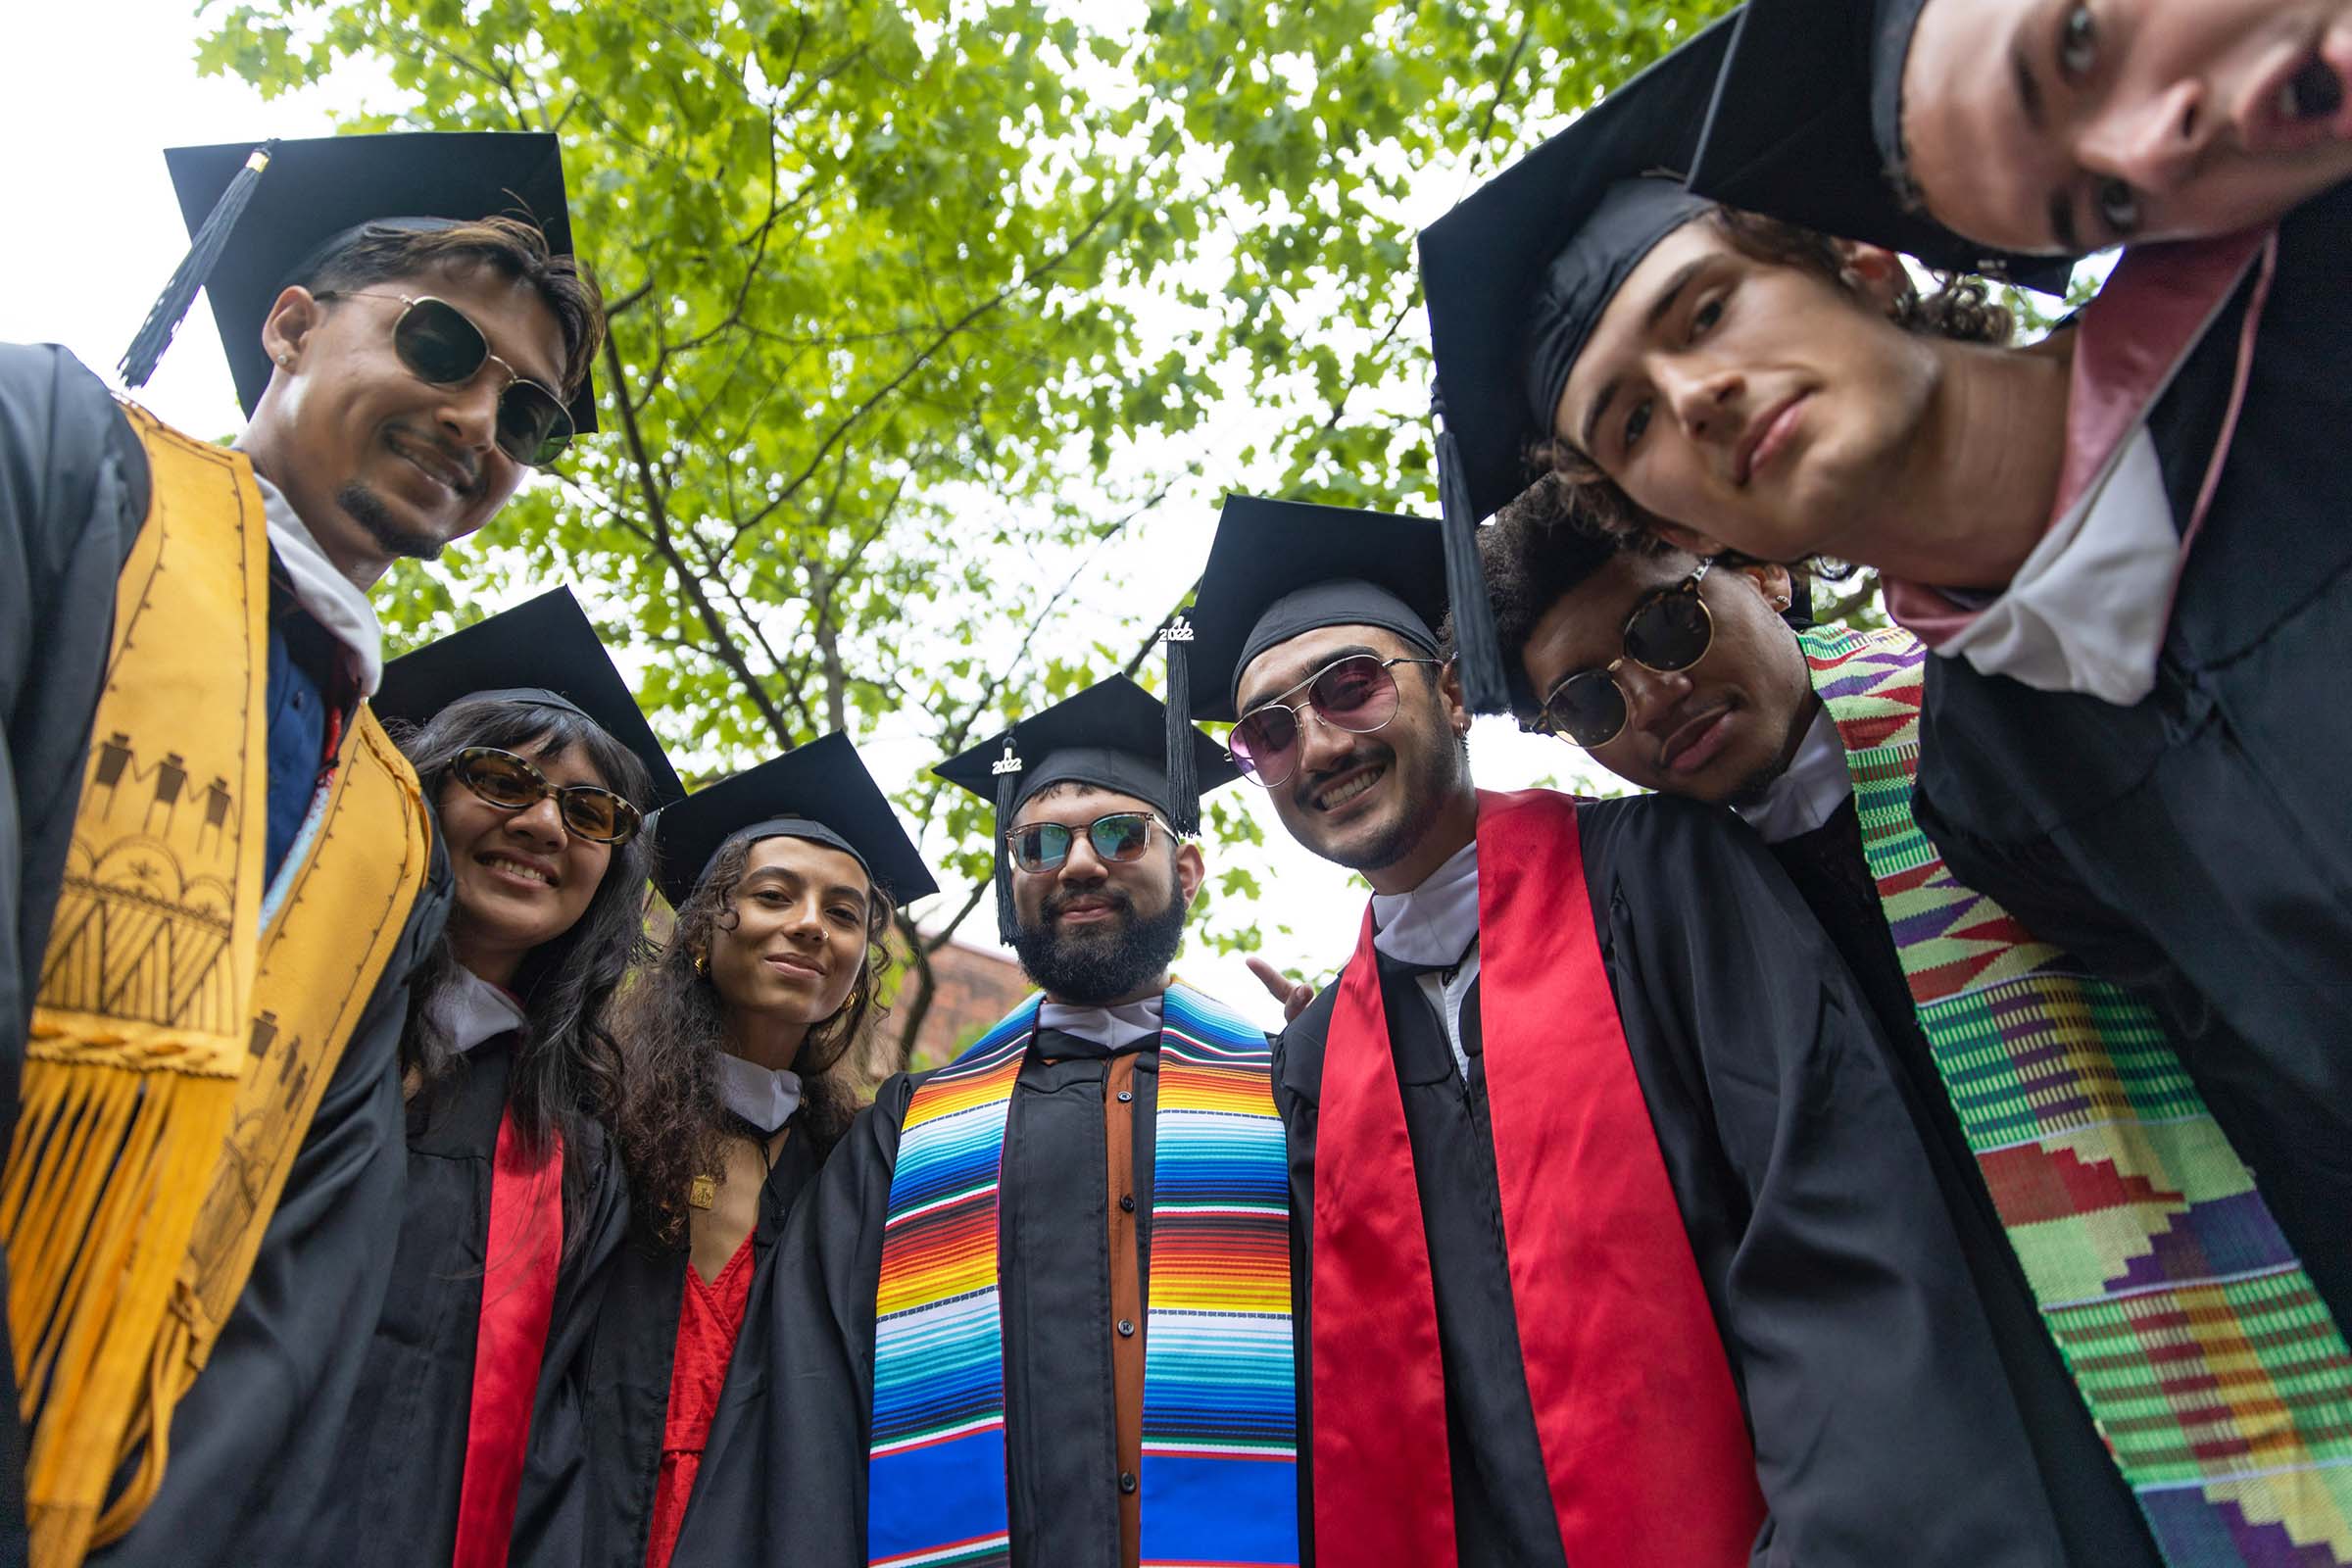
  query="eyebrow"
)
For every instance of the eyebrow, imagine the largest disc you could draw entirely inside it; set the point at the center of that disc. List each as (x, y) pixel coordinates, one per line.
(1352, 650)
(1661, 306)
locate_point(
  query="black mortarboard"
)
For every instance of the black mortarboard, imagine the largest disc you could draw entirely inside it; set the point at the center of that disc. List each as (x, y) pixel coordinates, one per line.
(1806, 127)
(263, 218)
(820, 791)
(1112, 735)
(544, 652)
(1517, 274)
(1282, 568)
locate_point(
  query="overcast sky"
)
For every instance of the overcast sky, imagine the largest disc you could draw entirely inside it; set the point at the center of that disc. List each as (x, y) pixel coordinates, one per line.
(90, 94)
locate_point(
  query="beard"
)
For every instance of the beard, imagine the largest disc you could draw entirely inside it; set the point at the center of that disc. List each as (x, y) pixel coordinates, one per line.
(366, 509)
(1098, 964)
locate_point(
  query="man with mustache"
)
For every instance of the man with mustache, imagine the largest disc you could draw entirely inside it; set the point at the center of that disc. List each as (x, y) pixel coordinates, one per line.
(208, 1150)
(2069, 1191)
(1600, 1187)
(2124, 543)
(1036, 1309)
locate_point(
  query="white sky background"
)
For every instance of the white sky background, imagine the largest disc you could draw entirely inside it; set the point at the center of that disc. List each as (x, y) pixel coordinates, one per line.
(90, 94)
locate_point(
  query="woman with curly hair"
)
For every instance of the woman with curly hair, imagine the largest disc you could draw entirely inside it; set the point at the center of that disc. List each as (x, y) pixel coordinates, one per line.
(783, 879)
(466, 1421)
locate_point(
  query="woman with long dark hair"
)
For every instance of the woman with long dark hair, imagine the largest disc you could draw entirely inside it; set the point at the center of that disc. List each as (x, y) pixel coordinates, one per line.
(783, 879)
(464, 1443)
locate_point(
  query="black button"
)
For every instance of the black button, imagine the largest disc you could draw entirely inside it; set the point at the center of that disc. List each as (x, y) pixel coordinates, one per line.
(1125, 1095)
(1126, 1328)
(1126, 1203)
(1127, 1481)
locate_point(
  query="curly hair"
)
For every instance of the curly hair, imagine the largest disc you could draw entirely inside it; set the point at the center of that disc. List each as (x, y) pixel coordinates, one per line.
(1961, 310)
(516, 247)
(567, 1073)
(673, 1122)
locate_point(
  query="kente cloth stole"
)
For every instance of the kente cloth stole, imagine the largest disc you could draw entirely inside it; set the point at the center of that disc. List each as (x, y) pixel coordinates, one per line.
(2218, 1377)
(523, 1261)
(1219, 1467)
(177, 1050)
(1645, 1444)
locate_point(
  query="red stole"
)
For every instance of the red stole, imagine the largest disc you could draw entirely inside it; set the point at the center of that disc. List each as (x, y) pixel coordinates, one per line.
(709, 1320)
(2129, 343)
(519, 1300)
(1642, 1436)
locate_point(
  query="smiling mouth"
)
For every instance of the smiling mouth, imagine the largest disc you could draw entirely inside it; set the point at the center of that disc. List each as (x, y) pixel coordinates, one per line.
(522, 870)
(1764, 440)
(441, 470)
(792, 965)
(1334, 796)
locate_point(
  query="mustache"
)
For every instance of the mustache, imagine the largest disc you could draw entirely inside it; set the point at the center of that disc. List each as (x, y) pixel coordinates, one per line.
(1061, 898)
(1368, 752)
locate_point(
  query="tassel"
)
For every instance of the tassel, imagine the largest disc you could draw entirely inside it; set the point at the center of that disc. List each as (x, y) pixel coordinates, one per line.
(1477, 658)
(1184, 771)
(1008, 769)
(211, 237)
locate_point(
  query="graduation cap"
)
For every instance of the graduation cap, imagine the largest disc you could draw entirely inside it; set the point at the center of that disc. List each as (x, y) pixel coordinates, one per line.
(1279, 569)
(1807, 124)
(263, 218)
(1517, 274)
(543, 652)
(821, 792)
(1114, 736)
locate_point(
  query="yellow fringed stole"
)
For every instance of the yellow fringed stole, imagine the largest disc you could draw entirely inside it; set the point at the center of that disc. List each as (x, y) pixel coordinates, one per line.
(177, 1052)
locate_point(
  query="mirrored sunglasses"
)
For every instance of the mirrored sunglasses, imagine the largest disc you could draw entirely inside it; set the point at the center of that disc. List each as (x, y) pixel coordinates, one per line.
(1119, 836)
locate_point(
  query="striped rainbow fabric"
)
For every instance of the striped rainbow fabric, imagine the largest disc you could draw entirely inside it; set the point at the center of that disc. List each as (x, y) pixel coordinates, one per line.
(1218, 1485)
(2209, 1363)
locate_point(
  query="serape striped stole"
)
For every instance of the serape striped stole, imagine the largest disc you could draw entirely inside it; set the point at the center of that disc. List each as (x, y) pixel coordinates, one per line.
(1218, 1485)
(2211, 1366)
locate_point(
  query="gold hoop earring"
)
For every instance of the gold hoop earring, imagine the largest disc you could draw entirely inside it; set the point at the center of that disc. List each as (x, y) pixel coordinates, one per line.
(702, 964)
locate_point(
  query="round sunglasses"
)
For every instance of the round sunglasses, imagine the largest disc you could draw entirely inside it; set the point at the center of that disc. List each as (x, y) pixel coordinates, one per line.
(514, 784)
(1669, 629)
(440, 344)
(1119, 836)
(1356, 694)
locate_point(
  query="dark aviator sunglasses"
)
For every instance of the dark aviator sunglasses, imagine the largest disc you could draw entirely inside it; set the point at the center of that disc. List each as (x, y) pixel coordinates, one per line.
(515, 783)
(1668, 630)
(440, 345)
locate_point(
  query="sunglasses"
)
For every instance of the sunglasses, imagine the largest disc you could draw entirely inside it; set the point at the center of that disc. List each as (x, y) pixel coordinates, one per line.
(1356, 694)
(1669, 629)
(1120, 836)
(514, 784)
(440, 344)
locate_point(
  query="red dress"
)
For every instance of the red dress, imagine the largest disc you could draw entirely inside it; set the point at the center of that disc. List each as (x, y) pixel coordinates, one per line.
(708, 1319)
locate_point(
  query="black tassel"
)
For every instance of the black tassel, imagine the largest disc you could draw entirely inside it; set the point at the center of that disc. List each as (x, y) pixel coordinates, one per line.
(211, 237)
(1184, 771)
(1008, 769)
(1475, 657)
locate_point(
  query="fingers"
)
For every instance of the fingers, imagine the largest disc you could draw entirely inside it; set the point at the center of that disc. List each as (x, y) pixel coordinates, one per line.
(1293, 996)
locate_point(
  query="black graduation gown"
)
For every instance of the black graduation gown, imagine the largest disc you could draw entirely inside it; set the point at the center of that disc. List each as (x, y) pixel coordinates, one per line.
(2196, 845)
(1884, 1429)
(784, 1480)
(73, 489)
(2100, 1524)
(629, 1364)
(403, 1454)
(251, 1439)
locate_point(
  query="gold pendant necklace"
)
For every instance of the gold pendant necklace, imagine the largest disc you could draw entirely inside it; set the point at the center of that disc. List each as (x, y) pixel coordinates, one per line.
(703, 1191)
